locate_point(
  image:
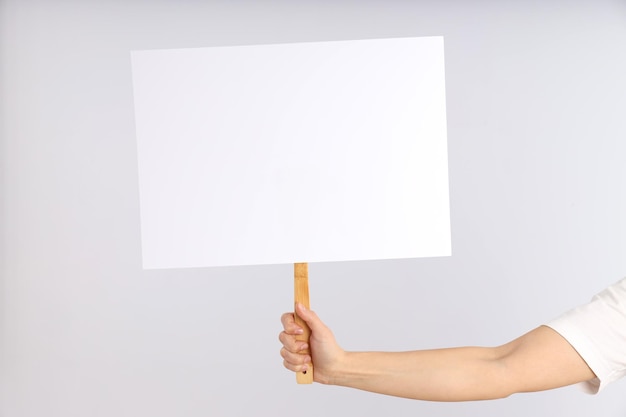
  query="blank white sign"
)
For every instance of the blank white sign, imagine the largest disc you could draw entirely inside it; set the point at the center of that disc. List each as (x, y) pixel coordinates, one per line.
(307, 152)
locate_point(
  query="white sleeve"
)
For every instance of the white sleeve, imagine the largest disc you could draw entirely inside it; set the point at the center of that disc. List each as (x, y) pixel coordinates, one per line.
(597, 330)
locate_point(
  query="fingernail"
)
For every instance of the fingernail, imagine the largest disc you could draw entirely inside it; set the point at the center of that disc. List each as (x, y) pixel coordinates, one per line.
(304, 347)
(299, 331)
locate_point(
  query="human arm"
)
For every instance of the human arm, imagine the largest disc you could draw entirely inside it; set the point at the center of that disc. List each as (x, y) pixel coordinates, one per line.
(539, 360)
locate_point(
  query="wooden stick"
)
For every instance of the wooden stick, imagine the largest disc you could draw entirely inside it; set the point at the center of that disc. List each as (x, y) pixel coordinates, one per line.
(301, 295)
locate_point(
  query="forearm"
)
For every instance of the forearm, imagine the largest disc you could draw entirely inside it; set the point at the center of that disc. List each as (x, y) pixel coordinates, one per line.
(458, 374)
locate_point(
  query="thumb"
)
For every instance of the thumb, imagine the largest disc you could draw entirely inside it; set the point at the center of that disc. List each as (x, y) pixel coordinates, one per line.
(310, 318)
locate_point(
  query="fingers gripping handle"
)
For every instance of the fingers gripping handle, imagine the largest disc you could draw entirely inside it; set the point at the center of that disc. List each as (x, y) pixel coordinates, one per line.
(301, 295)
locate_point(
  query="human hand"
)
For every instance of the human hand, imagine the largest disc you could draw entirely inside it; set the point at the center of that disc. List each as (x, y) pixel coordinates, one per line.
(326, 353)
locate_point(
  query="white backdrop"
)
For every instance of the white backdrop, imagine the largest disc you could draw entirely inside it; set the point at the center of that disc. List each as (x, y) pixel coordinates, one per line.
(536, 98)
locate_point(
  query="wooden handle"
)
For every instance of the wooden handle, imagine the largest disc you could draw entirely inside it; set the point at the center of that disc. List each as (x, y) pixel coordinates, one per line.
(301, 295)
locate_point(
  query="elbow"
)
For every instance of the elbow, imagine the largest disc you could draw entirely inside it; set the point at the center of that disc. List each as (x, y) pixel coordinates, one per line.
(504, 374)
(505, 392)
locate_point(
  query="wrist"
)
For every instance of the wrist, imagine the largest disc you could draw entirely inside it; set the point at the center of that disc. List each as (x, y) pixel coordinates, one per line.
(333, 372)
(340, 369)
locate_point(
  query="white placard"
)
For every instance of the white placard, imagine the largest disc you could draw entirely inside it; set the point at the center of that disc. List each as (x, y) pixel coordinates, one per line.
(306, 152)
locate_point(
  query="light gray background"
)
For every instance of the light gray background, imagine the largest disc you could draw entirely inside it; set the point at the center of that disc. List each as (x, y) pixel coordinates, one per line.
(536, 95)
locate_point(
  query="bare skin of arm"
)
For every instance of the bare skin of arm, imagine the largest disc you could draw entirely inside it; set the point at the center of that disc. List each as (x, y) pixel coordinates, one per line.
(539, 360)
